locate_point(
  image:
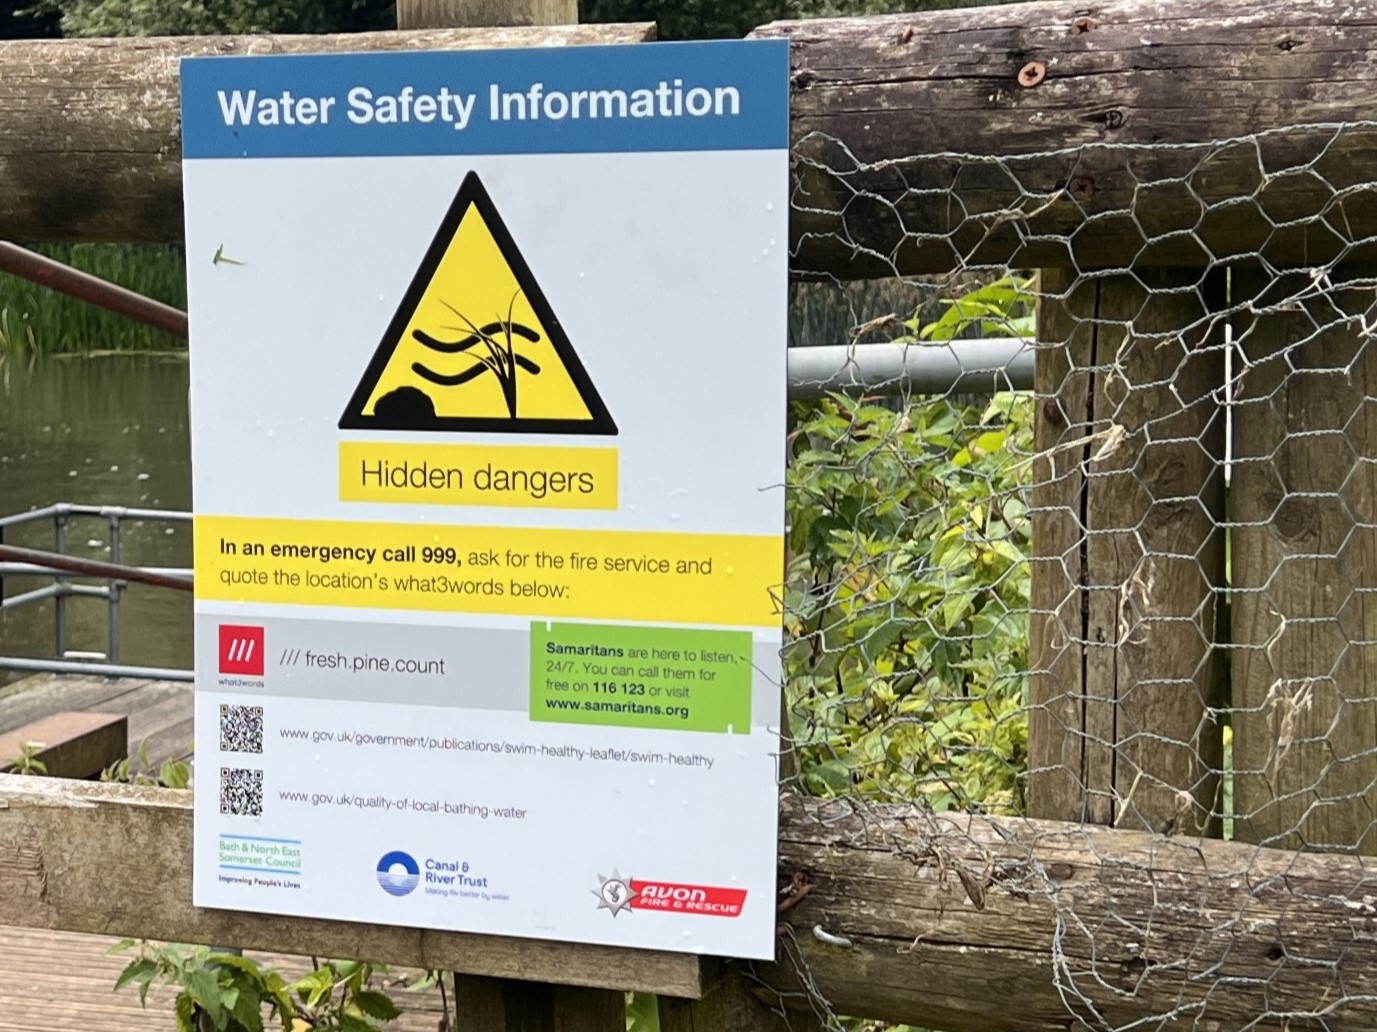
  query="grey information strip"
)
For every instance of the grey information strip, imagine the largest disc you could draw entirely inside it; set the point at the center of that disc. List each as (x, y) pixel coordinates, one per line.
(410, 664)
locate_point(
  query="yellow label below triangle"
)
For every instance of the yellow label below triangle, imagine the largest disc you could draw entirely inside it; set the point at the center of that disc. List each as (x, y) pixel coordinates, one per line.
(474, 346)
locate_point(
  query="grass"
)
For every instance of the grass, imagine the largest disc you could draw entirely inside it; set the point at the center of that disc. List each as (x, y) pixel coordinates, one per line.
(37, 320)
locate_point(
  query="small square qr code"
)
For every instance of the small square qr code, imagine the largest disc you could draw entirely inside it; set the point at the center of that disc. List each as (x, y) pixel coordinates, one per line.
(241, 791)
(241, 729)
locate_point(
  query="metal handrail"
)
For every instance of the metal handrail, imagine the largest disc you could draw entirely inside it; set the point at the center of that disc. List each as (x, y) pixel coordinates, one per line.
(55, 563)
(44, 271)
(62, 568)
(122, 512)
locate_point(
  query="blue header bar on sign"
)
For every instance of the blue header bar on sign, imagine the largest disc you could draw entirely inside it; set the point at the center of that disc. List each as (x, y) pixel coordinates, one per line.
(729, 95)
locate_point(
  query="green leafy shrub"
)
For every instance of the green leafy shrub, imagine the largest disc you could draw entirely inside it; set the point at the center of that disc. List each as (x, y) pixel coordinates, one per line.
(224, 992)
(906, 600)
(906, 595)
(170, 773)
(27, 762)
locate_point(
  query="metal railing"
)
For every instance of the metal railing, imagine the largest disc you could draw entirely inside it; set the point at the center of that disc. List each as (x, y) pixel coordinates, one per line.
(63, 569)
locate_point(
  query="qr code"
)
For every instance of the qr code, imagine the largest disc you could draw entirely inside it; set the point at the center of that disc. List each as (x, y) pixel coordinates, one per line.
(241, 791)
(241, 729)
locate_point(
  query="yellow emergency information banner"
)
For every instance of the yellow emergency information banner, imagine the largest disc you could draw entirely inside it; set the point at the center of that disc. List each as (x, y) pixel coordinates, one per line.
(652, 577)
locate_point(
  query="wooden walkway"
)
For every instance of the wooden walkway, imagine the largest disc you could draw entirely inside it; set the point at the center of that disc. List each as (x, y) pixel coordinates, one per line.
(159, 712)
(58, 981)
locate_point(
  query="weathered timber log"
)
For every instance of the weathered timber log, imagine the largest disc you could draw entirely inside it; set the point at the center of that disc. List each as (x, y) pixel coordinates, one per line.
(90, 129)
(1304, 490)
(965, 923)
(1128, 554)
(917, 147)
(444, 14)
(975, 924)
(66, 864)
(1053, 134)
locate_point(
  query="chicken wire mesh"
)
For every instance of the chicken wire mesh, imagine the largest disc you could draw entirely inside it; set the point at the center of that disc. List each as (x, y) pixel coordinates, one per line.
(1138, 597)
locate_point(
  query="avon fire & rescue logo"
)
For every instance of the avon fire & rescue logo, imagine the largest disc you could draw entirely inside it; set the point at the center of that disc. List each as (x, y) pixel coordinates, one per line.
(616, 894)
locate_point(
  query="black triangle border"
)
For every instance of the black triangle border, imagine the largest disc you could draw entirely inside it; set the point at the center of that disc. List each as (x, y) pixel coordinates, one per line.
(472, 193)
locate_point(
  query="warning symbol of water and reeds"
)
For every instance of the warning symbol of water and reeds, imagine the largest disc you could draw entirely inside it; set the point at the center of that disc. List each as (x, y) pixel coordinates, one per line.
(474, 345)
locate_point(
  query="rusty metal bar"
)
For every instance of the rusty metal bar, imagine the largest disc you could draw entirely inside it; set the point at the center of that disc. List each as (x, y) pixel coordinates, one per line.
(92, 568)
(85, 287)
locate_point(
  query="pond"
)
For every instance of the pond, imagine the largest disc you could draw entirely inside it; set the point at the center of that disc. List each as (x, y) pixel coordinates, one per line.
(102, 430)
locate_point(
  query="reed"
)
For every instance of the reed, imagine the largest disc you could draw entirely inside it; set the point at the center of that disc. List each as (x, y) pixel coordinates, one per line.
(37, 320)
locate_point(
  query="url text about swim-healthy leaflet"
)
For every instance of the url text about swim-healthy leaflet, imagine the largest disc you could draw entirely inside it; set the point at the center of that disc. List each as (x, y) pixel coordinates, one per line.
(499, 747)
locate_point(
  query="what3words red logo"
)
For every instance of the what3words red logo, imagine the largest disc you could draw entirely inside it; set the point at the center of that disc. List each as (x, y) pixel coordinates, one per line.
(241, 650)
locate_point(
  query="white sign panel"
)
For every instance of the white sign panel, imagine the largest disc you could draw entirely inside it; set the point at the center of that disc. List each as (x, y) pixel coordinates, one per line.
(488, 395)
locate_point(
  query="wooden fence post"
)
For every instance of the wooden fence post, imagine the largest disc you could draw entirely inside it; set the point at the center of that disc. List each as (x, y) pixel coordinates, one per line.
(455, 14)
(492, 1004)
(727, 1003)
(1304, 493)
(1128, 551)
(508, 1005)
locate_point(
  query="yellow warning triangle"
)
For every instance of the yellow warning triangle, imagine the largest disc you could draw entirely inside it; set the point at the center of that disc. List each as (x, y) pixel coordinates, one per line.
(474, 346)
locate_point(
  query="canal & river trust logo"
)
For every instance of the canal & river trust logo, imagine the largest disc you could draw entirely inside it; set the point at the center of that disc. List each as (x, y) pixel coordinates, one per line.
(399, 873)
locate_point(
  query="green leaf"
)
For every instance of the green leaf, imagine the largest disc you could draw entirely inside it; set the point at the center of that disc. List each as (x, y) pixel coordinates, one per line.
(315, 986)
(247, 965)
(185, 1009)
(247, 1010)
(431, 979)
(204, 988)
(642, 1013)
(376, 1005)
(141, 970)
(352, 1023)
(174, 774)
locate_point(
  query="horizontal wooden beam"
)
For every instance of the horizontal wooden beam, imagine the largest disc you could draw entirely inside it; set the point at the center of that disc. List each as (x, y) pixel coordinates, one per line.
(975, 924)
(90, 129)
(965, 923)
(1055, 134)
(116, 860)
(1041, 134)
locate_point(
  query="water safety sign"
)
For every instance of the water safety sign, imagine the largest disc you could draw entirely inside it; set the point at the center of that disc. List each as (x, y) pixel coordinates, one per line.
(488, 396)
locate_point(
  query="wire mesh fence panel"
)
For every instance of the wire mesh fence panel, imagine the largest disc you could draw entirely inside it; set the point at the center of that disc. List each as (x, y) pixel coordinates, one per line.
(1081, 682)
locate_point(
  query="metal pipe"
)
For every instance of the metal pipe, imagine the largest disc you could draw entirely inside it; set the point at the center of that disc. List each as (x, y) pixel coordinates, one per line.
(72, 509)
(60, 600)
(961, 365)
(92, 289)
(24, 598)
(54, 591)
(92, 568)
(61, 666)
(38, 570)
(116, 586)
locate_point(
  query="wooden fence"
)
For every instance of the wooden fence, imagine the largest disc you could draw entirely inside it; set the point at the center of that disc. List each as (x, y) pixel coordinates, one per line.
(1164, 163)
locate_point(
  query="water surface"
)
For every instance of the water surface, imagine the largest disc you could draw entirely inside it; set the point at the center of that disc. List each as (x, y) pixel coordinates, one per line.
(109, 430)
